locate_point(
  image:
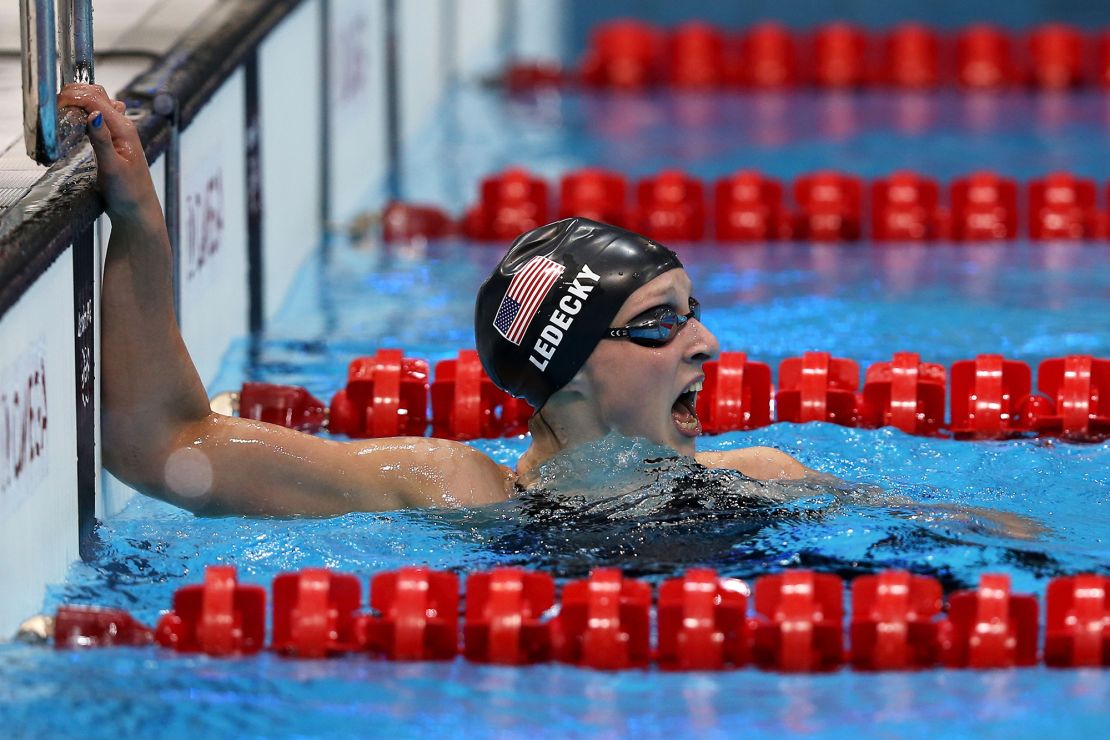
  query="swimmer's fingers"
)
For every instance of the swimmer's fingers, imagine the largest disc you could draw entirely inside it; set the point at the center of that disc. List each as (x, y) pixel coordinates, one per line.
(108, 157)
(90, 98)
(122, 171)
(93, 99)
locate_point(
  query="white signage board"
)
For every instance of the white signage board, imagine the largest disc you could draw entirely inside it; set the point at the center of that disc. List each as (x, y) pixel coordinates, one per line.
(38, 445)
(290, 97)
(212, 247)
(356, 139)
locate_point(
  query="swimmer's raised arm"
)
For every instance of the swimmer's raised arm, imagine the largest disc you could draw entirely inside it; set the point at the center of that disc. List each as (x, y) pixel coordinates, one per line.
(159, 433)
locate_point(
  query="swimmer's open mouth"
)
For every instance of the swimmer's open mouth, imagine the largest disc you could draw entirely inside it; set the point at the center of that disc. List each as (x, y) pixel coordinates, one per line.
(684, 412)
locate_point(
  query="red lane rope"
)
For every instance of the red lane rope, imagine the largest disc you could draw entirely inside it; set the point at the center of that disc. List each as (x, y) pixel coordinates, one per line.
(898, 621)
(749, 206)
(992, 397)
(634, 55)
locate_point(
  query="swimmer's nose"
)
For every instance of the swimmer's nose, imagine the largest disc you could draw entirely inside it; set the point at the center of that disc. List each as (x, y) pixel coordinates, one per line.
(703, 345)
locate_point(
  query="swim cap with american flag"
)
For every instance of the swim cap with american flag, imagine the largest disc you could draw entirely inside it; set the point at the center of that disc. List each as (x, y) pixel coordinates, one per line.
(552, 297)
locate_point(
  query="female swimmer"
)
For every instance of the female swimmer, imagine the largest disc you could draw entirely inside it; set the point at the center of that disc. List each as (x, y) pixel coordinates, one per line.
(595, 326)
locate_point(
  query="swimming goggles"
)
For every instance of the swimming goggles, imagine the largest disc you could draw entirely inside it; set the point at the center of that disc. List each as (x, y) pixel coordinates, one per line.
(656, 327)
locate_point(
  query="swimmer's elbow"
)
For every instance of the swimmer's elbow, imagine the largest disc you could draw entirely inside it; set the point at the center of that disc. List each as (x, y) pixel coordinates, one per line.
(157, 463)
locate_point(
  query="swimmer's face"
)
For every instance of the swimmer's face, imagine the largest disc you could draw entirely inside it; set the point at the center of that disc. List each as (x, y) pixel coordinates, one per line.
(644, 391)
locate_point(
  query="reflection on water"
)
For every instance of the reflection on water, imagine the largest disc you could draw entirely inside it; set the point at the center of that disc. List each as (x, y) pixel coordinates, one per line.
(942, 134)
(129, 692)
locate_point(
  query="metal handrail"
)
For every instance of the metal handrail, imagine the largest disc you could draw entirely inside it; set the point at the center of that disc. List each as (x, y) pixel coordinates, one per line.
(47, 135)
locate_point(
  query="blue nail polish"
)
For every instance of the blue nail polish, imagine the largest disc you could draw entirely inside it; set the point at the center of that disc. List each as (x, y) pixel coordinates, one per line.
(97, 120)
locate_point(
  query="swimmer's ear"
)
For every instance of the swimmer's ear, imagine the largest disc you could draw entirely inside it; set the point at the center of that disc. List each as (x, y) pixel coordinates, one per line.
(578, 384)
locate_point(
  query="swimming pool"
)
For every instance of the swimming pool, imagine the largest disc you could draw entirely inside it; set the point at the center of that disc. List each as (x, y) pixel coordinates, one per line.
(1028, 301)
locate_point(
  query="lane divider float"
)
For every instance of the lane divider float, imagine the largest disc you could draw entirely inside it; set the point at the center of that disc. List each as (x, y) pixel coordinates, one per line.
(898, 620)
(748, 206)
(634, 55)
(992, 397)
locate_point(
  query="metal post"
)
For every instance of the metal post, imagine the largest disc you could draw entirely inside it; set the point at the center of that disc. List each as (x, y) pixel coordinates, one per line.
(82, 42)
(40, 81)
(393, 121)
(507, 33)
(47, 138)
(65, 40)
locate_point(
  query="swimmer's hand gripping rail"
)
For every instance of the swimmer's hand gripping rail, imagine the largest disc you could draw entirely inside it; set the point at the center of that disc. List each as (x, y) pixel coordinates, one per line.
(48, 134)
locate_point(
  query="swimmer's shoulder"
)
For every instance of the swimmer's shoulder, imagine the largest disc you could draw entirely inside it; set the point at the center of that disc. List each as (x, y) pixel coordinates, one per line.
(437, 472)
(761, 463)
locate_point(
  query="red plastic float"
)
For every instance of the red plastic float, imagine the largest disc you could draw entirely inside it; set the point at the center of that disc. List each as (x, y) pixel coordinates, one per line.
(893, 621)
(219, 617)
(840, 56)
(596, 194)
(702, 622)
(467, 405)
(418, 612)
(670, 207)
(408, 222)
(818, 387)
(604, 622)
(526, 76)
(97, 626)
(623, 54)
(1056, 56)
(386, 396)
(1062, 206)
(749, 208)
(285, 405)
(515, 413)
(768, 58)
(984, 208)
(799, 623)
(904, 207)
(905, 393)
(984, 58)
(990, 397)
(1102, 59)
(1077, 622)
(632, 55)
(1079, 387)
(315, 613)
(910, 57)
(989, 627)
(503, 610)
(736, 394)
(829, 205)
(511, 203)
(695, 56)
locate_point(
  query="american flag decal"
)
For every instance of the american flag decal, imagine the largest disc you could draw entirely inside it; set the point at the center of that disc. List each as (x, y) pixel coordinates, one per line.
(524, 296)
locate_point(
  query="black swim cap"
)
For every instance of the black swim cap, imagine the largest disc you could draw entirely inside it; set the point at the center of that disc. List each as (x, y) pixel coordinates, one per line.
(553, 297)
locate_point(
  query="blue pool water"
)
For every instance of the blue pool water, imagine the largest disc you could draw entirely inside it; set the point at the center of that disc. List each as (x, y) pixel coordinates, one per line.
(947, 302)
(943, 134)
